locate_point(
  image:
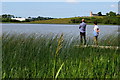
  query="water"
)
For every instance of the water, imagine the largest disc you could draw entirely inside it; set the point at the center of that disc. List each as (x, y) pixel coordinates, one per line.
(67, 29)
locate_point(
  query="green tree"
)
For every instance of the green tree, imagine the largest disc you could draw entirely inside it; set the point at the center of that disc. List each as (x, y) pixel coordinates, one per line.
(99, 14)
(4, 16)
(29, 17)
(7, 16)
(111, 13)
(107, 14)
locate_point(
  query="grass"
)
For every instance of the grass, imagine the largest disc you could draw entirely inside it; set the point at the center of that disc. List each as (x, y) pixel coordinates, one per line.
(0, 58)
(89, 21)
(54, 56)
(102, 20)
(53, 21)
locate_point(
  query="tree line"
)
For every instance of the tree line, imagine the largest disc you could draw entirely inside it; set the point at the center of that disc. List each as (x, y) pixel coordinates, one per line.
(7, 18)
(109, 18)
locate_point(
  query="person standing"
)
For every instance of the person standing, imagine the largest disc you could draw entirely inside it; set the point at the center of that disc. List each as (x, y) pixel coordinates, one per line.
(82, 28)
(96, 31)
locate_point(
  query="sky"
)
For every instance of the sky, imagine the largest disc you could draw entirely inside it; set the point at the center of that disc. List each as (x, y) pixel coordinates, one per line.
(65, 9)
(59, 0)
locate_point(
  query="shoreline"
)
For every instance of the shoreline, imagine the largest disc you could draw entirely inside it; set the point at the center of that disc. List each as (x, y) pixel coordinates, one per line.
(50, 23)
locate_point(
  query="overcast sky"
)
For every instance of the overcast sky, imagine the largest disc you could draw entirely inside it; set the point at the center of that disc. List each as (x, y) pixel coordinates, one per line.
(60, 0)
(57, 9)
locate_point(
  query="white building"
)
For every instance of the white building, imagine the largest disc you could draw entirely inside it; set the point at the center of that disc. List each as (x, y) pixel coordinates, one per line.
(19, 19)
(91, 14)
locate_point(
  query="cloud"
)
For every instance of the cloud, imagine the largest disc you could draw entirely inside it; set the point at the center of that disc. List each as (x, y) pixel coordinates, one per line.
(71, 1)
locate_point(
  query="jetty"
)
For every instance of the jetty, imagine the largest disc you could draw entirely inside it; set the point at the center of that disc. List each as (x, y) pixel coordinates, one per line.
(97, 46)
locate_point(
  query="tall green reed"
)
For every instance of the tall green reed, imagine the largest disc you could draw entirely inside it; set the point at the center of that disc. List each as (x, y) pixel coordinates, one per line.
(59, 47)
(50, 56)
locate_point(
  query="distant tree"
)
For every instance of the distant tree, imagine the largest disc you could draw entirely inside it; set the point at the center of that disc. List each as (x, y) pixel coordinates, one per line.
(38, 17)
(10, 16)
(99, 14)
(7, 16)
(4, 16)
(107, 14)
(29, 17)
(111, 13)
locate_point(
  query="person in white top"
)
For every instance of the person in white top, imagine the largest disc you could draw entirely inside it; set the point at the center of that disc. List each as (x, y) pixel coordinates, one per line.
(96, 31)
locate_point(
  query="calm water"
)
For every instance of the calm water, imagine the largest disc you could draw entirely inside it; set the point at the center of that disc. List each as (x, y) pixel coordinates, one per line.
(57, 29)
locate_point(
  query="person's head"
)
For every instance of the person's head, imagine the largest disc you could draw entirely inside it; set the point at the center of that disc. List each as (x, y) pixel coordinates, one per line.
(83, 20)
(95, 23)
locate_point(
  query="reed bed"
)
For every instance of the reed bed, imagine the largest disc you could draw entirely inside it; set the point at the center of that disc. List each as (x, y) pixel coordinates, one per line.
(55, 56)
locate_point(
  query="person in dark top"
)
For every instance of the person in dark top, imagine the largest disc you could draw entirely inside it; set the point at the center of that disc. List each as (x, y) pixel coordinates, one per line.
(82, 28)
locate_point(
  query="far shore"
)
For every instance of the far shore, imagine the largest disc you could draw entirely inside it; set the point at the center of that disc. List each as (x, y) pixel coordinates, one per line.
(49, 23)
(102, 20)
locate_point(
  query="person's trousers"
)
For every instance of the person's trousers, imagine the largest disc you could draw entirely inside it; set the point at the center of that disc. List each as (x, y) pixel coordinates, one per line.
(83, 37)
(96, 40)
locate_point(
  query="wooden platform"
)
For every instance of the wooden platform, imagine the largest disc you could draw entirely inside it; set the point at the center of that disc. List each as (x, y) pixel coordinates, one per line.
(97, 46)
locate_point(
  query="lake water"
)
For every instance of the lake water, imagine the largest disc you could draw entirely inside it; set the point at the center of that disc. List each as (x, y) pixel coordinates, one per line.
(67, 29)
